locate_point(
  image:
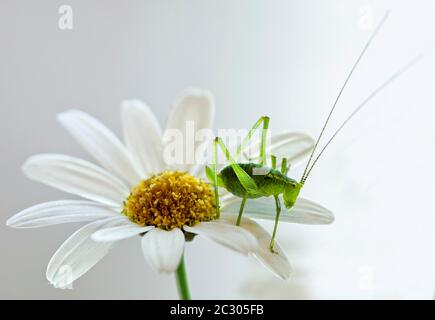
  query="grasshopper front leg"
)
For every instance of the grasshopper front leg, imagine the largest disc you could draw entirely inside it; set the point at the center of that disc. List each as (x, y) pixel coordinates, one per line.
(275, 227)
(284, 170)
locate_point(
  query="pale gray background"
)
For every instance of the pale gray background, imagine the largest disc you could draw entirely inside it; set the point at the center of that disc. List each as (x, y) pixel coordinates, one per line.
(286, 59)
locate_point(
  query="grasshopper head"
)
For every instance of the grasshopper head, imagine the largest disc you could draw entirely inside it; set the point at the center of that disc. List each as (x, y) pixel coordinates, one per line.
(291, 193)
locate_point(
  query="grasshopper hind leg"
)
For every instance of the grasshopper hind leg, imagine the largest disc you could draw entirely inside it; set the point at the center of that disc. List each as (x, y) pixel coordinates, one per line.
(262, 121)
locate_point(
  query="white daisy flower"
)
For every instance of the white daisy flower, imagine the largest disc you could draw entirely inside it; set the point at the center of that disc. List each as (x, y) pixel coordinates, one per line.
(133, 191)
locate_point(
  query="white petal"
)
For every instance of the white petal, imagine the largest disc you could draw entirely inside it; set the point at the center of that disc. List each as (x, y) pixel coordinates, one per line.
(119, 233)
(143, 135)
(276, 261)
(308, 212)
(102, 144)
(78, 254)
(76, 176)
(193, 106)
(163, 249)
(229, 235)
(199, 171)
(56, 212)
(294, 146)
(304, 211)
(202, 149)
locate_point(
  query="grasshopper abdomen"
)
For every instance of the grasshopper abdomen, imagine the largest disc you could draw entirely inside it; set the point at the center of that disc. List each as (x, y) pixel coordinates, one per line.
(270, 182)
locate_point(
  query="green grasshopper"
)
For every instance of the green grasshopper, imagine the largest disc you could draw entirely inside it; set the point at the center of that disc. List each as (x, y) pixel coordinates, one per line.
(254, 180)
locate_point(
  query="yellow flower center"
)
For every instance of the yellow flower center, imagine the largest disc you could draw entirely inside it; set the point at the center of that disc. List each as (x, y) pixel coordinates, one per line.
(170, 200)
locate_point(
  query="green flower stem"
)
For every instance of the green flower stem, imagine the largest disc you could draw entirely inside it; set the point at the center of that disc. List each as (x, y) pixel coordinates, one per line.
(182, 283)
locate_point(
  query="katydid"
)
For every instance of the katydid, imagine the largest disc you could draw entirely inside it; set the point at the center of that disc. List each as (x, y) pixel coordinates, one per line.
(253, 180)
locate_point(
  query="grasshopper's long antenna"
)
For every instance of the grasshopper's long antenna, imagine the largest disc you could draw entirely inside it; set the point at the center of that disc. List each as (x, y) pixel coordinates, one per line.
(381, 23)
(362, 105)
